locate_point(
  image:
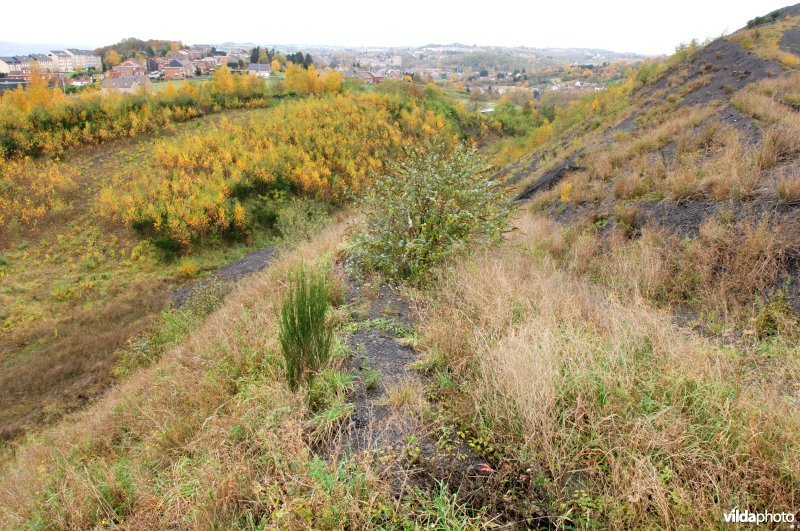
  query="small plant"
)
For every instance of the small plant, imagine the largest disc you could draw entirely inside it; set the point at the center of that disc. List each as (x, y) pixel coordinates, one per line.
(304, 335)
(188, 269)
(788, 189)
(566, 192)
(773, 315)
(370, 378)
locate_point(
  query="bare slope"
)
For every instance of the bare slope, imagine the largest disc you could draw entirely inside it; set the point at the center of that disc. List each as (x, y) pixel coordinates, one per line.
(707, 150)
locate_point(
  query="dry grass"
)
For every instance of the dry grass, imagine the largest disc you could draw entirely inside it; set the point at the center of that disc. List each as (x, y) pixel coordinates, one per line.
(658, 136)
(732, 171)
(766, 100)
(208, 437)
(720, 273)
(764, 41)
(779, 142)
(60, 366)
(788, 189)
(609, 396)
(409, 397)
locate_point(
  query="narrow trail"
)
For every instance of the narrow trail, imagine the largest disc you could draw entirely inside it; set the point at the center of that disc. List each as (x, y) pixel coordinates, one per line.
(417, 444)
(248, 264)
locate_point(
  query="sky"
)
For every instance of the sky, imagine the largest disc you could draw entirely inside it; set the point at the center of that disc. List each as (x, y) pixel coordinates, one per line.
(638, 26)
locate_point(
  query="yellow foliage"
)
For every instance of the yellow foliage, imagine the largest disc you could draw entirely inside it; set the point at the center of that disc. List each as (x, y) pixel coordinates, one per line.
(188, 269)
(223, 80)
(31, 191)
(304, 81)
(566, 192)
(328, 147)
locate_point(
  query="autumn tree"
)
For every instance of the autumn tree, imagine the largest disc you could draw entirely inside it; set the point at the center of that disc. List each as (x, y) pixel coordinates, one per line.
(112, 58)
(223, 80)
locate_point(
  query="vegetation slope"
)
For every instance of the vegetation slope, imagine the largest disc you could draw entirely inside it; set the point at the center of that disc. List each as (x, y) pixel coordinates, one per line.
(626, 356)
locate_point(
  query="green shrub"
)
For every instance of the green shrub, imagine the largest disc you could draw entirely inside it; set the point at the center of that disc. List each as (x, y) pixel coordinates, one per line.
(429, 206)
(304, 335)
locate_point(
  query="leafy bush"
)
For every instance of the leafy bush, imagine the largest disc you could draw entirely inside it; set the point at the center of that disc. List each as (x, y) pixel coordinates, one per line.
(435, 202)
(304, 335)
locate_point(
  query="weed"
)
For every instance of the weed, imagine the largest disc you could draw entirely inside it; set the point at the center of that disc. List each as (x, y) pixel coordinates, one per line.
(788, 189)
(304, 335)
(370, 378)
(188, 269)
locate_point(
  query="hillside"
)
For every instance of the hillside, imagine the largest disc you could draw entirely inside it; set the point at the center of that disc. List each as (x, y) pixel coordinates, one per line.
(578, 311)
(703, 159)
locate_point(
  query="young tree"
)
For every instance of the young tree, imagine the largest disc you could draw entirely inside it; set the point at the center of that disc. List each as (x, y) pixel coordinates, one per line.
(426, 208)
(223, 80)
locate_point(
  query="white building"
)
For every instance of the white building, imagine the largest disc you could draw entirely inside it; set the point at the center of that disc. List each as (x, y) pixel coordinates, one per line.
(62, 61)
(258, 70)
(84, 59)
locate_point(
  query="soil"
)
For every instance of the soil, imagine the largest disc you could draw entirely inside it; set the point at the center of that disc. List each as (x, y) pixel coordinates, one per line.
(731, 68)
(751, 134)
(550, 178)
(250, 263)
(790, 42)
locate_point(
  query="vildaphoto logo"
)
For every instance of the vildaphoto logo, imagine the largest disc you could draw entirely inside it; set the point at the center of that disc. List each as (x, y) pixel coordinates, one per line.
(735, 516)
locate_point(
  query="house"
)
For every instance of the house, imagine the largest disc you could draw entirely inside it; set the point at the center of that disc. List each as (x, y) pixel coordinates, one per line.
(44, 62)
(23, 64)
(180, 55)
(258, 70)
(211, 62)
(176, 69)
(62, 61)
(369, 77)
(9, 65)
(125, 84)
(128, 68)
(157, 63)
(195, 54)
(84, 59)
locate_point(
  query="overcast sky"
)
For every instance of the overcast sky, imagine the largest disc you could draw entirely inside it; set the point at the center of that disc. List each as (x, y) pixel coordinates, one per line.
(620, 25)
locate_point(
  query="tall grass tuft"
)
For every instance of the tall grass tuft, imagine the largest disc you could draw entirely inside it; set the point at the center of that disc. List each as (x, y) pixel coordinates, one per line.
(304, 335)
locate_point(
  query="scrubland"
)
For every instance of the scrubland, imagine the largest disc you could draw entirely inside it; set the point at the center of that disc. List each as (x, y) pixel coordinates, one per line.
(623, 354)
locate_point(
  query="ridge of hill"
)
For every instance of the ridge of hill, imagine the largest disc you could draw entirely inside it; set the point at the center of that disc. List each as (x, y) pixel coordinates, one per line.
(708, 149)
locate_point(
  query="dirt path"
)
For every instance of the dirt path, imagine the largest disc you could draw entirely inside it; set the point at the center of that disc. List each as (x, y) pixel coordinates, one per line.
(417, 444)
(250, 263)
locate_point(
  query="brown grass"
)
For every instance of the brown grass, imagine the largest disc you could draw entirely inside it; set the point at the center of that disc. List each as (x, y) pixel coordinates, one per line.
(779, 142)
(72, 357)
(607, 395)
(732, 171)
(788, 189)
(209, 437)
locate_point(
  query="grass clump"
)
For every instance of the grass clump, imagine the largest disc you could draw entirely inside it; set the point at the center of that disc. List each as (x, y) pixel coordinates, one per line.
(425, 209)
(788, 189)
(304, 336)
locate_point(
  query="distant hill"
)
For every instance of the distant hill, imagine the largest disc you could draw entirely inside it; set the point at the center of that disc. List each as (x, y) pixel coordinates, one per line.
(149, 48)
